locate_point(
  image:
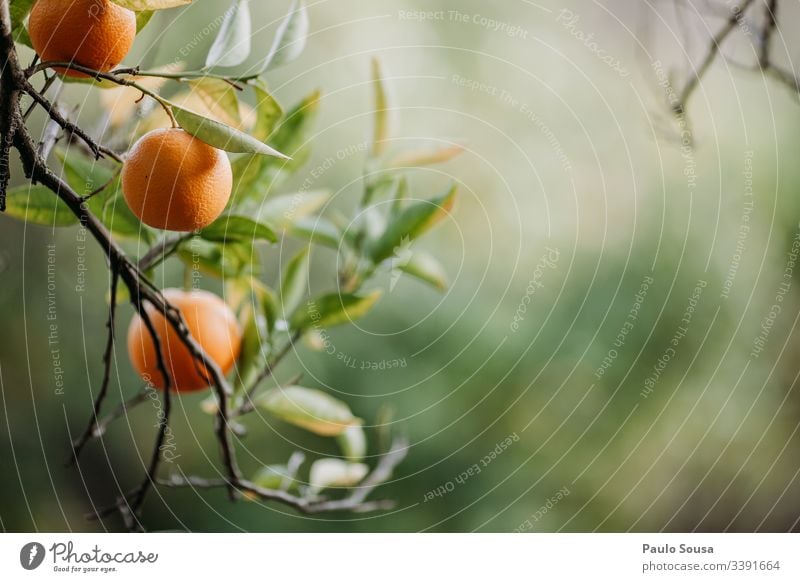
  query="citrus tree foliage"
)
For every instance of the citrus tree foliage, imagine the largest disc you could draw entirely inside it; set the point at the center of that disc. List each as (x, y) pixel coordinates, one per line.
(268, 143)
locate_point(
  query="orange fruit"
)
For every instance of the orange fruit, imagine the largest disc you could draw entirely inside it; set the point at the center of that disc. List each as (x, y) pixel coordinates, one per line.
(93, 33)
(211, 323)
(173, 181)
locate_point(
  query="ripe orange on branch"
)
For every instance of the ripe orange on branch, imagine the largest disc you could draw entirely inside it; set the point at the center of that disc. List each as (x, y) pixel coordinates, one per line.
(173, 181)
(212, 324)
(92, 33)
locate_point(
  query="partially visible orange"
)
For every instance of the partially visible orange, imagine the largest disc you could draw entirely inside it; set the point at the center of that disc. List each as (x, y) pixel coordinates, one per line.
(93, 33)
(212, 324)
(173, 181)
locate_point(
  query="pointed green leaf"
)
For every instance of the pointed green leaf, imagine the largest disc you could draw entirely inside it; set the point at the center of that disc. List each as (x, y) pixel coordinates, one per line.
(85, 174)
(268, 300)
(381, 112)
(290, 40)
(399, 196)
(353, 443)
(19, 10)
(220, 97)
(334, 309)
(294, 282)
(254, 175)
(221, 136)
(268, 111)
(410, 223)
(229, 227)
(142, 19)
(36, 204)
(424, 267)
(316, 230)
(232, 45)
(250, 355)
(294, 130)
(308, 408)
(228, 260)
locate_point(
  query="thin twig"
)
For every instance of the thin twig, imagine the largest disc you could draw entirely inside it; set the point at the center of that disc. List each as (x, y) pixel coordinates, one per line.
(162, 251)
(164, 414)
(99, 75)
(730, 25)
(48, 82)
(97, 150)
(356, 501)
(103, 186)
(770, 23)
(49, 137)
(77, 447)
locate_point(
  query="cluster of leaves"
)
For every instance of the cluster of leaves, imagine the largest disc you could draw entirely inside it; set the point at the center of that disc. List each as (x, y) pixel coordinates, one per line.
(238, 114)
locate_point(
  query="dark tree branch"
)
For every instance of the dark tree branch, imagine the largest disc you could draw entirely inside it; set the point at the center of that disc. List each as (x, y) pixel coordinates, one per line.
(355, 501)
(48, 82)
(163, 422)
(97, 150)
(770, 24)
(162, 251)
(77, 447)
(713, 50)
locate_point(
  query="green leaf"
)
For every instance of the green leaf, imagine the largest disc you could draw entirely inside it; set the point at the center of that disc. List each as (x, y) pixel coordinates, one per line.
(221, 136)
(36, 204)
(268, 110)
(372, 222)
(294, 282)
(268, 301)
(333, 309)
(317, 230)
(230, 227)
(308, 408)
(142, 19)
(275, 477)
(221, 260)
(220, 97)
(410, 223)
(19, 10)
(381, 128)
(290, 40)
(254, 175)
(142, 5)
(353, 443)
(85, 174)
(119, 219)
(293, 133)
(424, 267)
(326, 473)
(250, 355)
(232, 45)
(399, 195)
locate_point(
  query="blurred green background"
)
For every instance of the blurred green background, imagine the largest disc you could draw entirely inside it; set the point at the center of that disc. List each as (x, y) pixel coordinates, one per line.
(567, 157)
